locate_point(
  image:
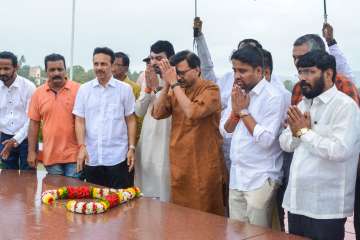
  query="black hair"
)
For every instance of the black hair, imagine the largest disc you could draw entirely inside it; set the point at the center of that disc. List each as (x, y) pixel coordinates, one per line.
(319, 59)
(191, 58)
(249, 41)
(314, 42)
(249, 55)
(52, 58)
(163, 46)
(268, 61)
(106, 51)
(10, 56)
(124, 57)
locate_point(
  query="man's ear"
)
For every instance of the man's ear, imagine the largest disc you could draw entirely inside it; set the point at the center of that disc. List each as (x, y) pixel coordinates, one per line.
(259, 72)
(328, 74)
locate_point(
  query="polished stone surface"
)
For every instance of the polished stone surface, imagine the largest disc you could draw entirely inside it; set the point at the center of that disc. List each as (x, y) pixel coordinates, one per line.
(24, 217)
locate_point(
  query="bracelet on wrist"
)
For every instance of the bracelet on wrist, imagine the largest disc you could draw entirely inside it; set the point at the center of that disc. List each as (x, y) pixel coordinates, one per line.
(148, 90)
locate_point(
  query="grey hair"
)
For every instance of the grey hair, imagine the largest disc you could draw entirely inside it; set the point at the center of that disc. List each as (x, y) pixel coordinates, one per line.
(313, 41)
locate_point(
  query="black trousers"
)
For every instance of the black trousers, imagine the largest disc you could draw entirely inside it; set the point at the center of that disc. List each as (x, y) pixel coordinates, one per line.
(357, 208)
(317, 229)
(117, 176)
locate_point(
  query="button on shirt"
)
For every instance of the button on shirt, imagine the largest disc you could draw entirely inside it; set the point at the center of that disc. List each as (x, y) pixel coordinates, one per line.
(257, 157)
(323, 170)
(14, 102)
(104, 110)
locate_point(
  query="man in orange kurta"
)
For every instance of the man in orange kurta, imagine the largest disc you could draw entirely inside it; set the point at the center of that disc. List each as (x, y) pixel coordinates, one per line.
(196, 162)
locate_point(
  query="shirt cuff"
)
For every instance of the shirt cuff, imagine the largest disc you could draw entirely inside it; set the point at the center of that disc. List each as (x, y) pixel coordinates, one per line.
(258, 130)
(308, 137)
(333, 48)
(19, 138)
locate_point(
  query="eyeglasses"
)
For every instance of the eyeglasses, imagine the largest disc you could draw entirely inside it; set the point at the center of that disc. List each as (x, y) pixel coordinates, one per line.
(182, 73)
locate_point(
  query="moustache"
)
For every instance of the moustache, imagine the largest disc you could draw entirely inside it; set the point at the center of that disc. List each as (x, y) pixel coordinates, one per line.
(304, 84)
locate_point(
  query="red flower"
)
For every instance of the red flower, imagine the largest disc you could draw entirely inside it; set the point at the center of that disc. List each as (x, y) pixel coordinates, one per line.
(78, 192)
(113, 199)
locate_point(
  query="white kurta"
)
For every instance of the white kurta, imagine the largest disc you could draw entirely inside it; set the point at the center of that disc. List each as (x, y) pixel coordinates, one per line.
(152, 173)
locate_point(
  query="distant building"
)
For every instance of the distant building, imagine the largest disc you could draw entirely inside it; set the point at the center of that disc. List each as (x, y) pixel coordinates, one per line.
(35, 72)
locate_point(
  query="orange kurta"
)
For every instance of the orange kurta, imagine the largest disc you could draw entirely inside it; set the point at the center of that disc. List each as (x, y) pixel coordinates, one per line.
(196, 161)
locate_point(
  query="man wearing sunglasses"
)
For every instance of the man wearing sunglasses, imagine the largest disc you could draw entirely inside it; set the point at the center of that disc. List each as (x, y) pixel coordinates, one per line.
(198, 175)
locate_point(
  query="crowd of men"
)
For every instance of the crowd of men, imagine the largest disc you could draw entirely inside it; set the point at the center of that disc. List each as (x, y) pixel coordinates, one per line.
(240, 145)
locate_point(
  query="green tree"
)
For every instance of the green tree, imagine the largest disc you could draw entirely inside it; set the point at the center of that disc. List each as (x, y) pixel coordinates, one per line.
(79, 74)
(133, 75)
(90, 75)
(24, 71)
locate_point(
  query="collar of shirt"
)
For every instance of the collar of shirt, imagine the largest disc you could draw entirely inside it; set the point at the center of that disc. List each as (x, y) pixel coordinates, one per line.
(258, 87)
(195, 86)
(111, 83)
(325, 97)
(66, 86)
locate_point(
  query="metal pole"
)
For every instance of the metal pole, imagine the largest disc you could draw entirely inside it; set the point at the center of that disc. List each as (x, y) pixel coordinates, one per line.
(325, 12)
(196, 8)
(72, 41)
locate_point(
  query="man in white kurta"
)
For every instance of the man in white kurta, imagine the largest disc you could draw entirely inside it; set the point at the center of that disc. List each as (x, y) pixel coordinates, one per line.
(324, 134)
(152, 173)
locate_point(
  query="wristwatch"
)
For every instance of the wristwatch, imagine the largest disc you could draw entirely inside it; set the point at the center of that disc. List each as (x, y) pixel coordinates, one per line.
(244, 113)
(331, 42)
(158, 89)
(175, 85)
(301, 132)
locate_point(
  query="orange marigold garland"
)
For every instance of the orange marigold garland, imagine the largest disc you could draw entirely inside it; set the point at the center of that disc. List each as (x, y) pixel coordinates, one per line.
(106, 198)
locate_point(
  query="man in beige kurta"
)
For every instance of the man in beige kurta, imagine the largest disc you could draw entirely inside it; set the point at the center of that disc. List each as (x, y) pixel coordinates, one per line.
(196, 162)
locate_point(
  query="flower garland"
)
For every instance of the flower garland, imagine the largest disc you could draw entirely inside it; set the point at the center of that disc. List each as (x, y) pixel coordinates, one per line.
(106, 198)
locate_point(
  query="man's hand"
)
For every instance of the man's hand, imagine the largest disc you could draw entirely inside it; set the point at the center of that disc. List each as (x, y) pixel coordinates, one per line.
(168, 72)
(8, 145)
(151, 79)
(328, 32)
(197, 27)
(239, 99)
(82, 158)
(297, 120)
(131, 159)
(32, 159)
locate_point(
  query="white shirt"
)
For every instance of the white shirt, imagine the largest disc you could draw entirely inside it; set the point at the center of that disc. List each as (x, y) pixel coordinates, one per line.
(342, 65)
(279, 85)
(257, 157)
(104, 110)
(226, 82)
(323, 169)
(14, 103)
